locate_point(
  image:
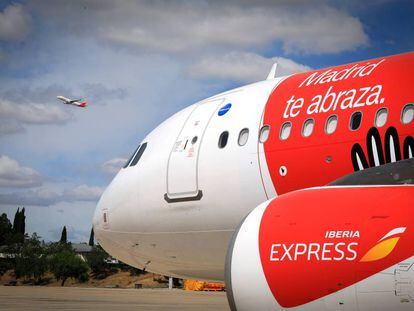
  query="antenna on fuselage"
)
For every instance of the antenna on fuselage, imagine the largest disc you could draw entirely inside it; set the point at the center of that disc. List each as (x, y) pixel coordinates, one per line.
(272, 73)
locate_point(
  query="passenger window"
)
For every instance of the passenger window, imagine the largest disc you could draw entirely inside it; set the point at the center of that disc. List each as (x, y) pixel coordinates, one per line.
(224, 137)
(331, 124)
(264, 133)
(307, 128)
(139, 154)
(381, 117)
(407, 114)
(285, 130)
(131, 157)
(243, 137)
(194, 140)
(356, 119)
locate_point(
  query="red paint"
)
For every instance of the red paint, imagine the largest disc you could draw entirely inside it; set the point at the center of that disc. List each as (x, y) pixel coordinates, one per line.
(306, 216)
(306, 158)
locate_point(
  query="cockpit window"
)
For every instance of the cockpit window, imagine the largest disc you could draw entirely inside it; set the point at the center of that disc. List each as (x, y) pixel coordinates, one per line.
(139, 154)
(131, 157)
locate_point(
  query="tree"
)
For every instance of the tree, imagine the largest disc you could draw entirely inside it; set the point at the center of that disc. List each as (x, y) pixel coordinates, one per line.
(63, 237)
(92, 238)
(32, 259)
(67, 265)
(16, 221)
(19, 226)
(96, 260)
(5, 229)
(57, 247)
(22, 222)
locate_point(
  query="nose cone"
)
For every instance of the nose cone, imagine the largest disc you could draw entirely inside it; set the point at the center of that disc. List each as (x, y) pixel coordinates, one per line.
(97, 220)
(114, 219)
(107, 216)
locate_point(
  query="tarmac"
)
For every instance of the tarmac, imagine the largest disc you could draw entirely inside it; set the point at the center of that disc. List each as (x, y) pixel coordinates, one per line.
(101, 299)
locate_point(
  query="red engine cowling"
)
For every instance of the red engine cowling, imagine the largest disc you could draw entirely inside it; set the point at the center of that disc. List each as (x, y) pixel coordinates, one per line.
(330, 248)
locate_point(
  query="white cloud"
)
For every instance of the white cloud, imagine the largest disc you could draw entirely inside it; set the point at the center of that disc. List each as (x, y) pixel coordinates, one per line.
(12, 174)
(113, 166)
(243, 67)
(48, 197)
(41, 197)
(15, 23)
(97, 93)
(199, 26)
(33, 113)
(185, 27)
(13, 115)
(83, 193)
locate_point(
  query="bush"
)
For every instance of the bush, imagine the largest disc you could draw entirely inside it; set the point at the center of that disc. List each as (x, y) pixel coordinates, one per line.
(32, 260)
(5, 265)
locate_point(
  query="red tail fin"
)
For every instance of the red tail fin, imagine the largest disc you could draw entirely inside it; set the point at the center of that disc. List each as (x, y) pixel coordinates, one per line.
(83, 104)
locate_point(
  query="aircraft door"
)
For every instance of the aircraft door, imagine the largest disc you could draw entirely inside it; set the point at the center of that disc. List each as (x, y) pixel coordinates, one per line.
(182, 171)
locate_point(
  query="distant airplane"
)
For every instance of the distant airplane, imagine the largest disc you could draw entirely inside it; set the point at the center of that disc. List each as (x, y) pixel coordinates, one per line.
(76, 102)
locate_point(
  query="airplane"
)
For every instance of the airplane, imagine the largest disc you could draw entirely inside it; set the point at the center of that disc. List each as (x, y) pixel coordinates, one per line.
(75, 102)
(296, 190)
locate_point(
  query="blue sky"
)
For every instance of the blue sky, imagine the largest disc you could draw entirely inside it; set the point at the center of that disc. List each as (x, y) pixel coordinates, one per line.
(138, 62)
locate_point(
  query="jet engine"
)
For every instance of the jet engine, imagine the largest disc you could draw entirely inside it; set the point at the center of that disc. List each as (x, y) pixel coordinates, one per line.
(327, 248)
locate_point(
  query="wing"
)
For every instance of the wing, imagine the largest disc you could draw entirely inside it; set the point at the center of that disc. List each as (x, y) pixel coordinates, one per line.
(395, 173)
(72, 101)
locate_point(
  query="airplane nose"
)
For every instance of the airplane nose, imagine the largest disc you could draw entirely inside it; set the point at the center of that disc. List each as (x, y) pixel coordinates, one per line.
(97, 221)
(107, 216)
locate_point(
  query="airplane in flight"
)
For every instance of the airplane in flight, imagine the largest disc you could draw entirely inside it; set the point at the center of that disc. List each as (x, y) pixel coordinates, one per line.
(75, 102)
(297, 191)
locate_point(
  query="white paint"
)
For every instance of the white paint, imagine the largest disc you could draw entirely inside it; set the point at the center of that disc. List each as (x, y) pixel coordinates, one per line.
(375, 151)
(394, 232)
(360, 166)
(392, 149)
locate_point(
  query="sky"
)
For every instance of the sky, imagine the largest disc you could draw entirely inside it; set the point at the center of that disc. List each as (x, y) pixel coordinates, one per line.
(138, 62)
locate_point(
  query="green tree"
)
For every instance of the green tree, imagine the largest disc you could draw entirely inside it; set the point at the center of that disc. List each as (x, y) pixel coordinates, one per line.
(22, 222)
(57, 247)
(19, 226)
(32, 260)
(64, 237)
(92, 238)
(96, 260)
(5, 229)
(16, 221)
(67, 265)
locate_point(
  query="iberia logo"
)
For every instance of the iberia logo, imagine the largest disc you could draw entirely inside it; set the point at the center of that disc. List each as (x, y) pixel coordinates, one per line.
(384, 247)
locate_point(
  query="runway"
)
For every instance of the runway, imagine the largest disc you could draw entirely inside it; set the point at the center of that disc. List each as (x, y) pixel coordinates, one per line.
(75, 298)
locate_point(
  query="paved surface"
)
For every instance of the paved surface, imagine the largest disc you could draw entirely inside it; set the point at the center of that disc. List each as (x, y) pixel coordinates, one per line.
(99, 299)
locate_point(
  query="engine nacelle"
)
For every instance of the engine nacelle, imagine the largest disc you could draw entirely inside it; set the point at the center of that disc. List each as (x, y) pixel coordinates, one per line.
(330, 248)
